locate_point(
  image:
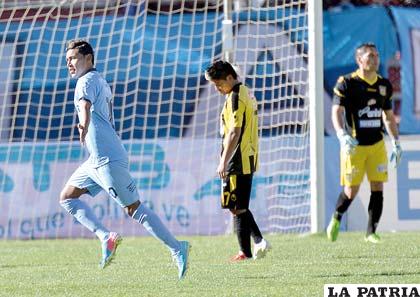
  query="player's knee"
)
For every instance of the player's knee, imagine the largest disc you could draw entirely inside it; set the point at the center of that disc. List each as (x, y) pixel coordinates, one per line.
(70, 192)
(237, 212)
(64, 195)
(351, 192)
(130, 209)
(376, 186)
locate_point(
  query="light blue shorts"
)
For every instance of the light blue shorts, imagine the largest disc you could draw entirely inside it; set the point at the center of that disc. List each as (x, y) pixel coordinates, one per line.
(113, 177)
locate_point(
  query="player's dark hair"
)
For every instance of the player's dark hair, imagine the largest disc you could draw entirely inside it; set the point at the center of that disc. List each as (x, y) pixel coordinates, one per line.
(83, 46)
(220, 70)
(362, 48)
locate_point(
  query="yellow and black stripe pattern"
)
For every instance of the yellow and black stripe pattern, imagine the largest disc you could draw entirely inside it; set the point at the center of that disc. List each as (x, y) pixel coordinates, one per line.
(240, 111)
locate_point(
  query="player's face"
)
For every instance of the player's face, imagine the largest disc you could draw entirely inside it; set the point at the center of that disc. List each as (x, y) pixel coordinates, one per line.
(77, 64)
(369, 60)
(224, 86)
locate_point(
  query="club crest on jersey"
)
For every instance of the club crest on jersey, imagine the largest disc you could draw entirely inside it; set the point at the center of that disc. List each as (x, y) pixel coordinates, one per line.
(382, 90)
(371, 102)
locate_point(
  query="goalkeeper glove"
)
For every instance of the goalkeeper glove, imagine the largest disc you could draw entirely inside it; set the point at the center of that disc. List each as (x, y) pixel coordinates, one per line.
(396, 153)
(347, 143)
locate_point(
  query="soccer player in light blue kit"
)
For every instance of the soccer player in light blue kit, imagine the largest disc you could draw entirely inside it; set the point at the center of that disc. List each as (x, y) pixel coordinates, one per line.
(107, 166)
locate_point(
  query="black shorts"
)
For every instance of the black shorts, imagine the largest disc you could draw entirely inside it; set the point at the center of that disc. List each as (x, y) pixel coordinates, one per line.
(236, 191)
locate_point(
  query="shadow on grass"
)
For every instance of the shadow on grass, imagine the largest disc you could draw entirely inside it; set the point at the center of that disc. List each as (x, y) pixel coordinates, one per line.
(391, 273)
(260, 277)
(28, 265)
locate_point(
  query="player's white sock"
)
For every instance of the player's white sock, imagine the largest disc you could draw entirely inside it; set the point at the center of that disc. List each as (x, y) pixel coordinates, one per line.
(155, 227)
(84, 215)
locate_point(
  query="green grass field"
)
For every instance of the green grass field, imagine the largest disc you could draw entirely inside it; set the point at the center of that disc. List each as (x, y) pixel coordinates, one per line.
(297, 266)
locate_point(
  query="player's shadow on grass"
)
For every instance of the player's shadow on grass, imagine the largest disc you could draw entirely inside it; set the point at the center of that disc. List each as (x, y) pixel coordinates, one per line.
(12, 266)
(260, 277)
(390, 273)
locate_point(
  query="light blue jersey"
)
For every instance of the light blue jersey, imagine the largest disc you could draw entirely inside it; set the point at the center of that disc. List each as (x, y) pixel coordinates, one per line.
(107, 166)
(102, 141)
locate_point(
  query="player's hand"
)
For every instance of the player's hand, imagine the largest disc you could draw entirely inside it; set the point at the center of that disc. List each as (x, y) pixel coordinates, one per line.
(347, 143)
(222, 170)
(396, 153)
(82, 133)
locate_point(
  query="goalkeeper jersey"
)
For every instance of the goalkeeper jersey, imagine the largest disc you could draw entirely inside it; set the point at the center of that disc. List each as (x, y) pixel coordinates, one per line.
(240, 111)
(363, 102)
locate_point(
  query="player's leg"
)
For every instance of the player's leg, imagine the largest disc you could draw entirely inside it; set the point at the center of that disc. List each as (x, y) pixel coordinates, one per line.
(83, 181)
(374, 211)
(78, 184)
(243, 234)
(152, 223)
(230, 199)
(117, 181)
(345, 198)
(245, 182)
(261, 245)
(351, 176)
(377, 174)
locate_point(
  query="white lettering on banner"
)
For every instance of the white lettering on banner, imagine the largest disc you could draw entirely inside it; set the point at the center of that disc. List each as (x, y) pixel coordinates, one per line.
(369, 290)
(370, 123)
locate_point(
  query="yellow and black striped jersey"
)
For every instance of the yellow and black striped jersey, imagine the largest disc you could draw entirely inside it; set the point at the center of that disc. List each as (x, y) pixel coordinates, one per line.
(363, 102)
(240, 111)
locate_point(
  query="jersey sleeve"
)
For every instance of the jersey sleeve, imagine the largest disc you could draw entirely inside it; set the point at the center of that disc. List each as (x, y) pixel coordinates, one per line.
(86, 90)
(238, 110)
(388, 99)
(340, 91)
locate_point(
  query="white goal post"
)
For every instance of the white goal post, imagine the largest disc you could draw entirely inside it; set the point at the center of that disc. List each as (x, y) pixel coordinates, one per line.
(153, 53)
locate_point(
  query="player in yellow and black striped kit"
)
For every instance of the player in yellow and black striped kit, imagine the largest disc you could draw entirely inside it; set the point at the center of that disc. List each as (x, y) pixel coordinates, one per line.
(239, 157)
(362, 109)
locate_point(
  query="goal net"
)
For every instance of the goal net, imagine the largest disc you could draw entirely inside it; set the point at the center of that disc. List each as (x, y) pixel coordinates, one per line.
(153, 54)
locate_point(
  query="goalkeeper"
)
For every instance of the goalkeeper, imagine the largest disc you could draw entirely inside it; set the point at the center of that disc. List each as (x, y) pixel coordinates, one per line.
(362, 108)
(239, 157)
(107, 166)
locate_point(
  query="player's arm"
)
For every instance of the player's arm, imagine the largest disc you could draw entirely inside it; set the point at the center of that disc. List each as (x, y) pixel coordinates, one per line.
(337, 118)
(232, 139)
(390, 124)
(84, 119)
(337, 110)
(392, 129)
(347, 142)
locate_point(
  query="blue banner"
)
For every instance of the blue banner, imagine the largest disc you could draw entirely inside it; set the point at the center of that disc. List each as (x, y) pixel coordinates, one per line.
(346, 29)
(408, 25)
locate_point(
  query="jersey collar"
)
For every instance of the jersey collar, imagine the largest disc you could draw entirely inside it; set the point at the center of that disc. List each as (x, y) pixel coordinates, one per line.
(370, 82)
(236, 87)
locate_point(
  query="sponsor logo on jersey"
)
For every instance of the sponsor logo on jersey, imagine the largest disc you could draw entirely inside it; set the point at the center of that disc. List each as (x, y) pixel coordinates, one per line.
(370, 123)
(382, 90)
(371, 102)
(370, 113)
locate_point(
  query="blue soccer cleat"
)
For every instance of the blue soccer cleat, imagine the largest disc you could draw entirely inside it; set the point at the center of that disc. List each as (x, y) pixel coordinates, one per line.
(109, 247)
(181, 258)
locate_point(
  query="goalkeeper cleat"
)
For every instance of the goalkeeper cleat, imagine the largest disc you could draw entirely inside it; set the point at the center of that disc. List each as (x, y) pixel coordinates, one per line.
(239, 257)
(181, 258)
(109, 247)
(373, 238)
(261, 249)
(333, 229)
